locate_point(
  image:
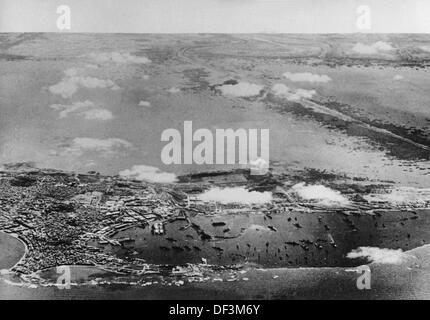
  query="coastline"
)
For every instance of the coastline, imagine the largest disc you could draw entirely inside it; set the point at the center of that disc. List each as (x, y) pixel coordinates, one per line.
(13, 251)
(407, 280)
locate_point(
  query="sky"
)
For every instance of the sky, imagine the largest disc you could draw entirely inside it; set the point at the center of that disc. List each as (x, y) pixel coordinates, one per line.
(217, 16)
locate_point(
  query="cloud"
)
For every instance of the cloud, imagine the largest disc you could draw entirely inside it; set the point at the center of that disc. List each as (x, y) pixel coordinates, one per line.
(74, 107)
(320, 193)
(97, 114)
(377, 47)
(105, 146)
(4, 272)
(258, 227)
(118, 57)
(242, 89)
(235, 195)
(306, 77)
(425, 48)
(148, 173)
(72, 82)
(144, 104)
(377, 255)
(85, 109)
(402, 196)
(173, 90)
(259, 166)
(398, 77)
(283, 91)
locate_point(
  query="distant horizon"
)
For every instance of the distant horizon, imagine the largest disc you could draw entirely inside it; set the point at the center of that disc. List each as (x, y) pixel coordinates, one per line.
(218, 16)
(223, 33)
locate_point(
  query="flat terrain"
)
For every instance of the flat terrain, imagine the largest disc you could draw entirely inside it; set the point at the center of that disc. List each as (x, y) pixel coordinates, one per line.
(373, 110)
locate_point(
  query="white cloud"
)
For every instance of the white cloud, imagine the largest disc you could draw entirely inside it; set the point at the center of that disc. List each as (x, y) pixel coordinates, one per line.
(85, 109)
(320, 193)
(242, 89)
(402, 196)
(377, 47)
(144, 104)
(66, 88)
(72, 82)
(235, 195)
(258, 227)
(283, 91)
(106, 146)
(173, 90)
(306, 77)
(148, 173)
(4, 272)
(259, 166)
(378, 255)
(97, 114)
(425, 48)
(118, 57)
(398, 77)
(74, 107)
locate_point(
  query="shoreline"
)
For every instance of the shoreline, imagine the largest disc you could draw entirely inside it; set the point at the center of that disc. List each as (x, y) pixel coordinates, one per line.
(16, 238)
(406, 280)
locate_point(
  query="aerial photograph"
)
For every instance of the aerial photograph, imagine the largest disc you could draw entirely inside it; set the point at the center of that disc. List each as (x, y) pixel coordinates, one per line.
(257, 165)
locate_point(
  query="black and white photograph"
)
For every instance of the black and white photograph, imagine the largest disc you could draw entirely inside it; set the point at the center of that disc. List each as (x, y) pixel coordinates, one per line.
(214, 150)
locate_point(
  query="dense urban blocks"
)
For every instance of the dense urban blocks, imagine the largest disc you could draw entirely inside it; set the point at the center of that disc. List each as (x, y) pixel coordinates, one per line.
(133, 226)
